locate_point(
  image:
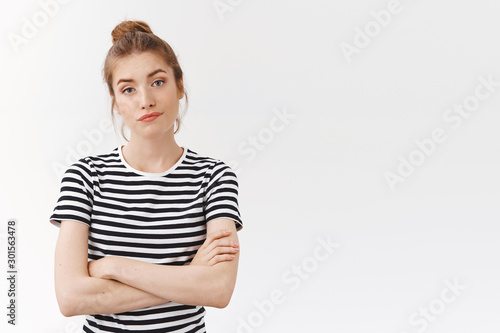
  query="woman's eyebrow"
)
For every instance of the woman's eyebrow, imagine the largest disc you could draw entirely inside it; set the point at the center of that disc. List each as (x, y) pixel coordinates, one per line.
(149, 75)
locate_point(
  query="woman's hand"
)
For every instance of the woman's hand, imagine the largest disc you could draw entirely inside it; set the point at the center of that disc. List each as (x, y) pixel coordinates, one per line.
(215, 249)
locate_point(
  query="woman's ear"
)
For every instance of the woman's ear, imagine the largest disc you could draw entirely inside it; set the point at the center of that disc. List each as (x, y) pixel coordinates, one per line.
(180, 94)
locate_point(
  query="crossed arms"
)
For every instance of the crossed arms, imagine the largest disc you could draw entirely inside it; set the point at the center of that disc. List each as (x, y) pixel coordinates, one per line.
(116, 284)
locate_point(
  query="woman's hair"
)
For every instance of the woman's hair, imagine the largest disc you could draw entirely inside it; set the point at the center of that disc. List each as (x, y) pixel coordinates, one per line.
(133, 37)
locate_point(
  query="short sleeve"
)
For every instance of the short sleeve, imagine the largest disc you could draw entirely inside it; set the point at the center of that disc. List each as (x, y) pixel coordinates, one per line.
(75, 196)
(221, 198)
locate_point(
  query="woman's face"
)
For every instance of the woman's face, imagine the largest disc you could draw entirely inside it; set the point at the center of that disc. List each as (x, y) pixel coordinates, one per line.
(143, 83)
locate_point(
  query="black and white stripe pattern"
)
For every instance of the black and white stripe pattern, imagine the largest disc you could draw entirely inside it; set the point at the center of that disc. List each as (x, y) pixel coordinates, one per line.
(152, 217)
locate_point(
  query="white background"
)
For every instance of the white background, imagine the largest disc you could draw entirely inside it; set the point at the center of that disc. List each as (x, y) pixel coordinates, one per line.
(322, 175)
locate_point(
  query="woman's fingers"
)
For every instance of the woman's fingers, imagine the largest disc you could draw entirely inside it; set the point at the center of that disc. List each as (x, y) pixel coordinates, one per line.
(220, 243)
(224, 249)
(211, 237)
(216, 248)
(222, 253)
(217, 234)
(221, 258)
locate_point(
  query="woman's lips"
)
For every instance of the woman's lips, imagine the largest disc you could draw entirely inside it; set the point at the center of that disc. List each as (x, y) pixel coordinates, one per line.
(148, 119)
(150, 116)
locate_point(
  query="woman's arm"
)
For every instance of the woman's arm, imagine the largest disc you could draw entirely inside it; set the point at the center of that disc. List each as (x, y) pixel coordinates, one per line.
(99, 296)
(81, 293)
(191, 285)
(77, 293)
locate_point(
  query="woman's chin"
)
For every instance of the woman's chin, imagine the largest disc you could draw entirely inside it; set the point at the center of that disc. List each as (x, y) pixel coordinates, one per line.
(153, 132)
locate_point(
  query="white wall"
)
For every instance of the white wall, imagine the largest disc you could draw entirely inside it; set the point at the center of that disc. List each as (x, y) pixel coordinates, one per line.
(320, 177)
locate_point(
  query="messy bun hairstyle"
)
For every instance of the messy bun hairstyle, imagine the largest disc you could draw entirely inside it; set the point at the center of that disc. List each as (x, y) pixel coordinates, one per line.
(132, 37)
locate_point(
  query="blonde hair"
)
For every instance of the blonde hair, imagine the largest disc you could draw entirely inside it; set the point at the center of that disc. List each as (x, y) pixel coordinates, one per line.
(132, 37)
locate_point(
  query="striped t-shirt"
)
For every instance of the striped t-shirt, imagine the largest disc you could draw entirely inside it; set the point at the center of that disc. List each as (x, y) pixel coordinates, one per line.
(152, 217)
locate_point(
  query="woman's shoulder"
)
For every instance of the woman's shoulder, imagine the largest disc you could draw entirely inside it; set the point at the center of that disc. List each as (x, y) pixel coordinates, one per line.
(203, 159)
(214, 167)
(110, 157)
(91, 161)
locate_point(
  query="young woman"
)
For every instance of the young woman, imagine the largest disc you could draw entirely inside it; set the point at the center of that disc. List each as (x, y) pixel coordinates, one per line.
(148, 231)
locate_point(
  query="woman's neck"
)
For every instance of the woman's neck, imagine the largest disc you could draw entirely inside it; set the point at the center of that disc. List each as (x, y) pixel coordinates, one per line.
(151, 155)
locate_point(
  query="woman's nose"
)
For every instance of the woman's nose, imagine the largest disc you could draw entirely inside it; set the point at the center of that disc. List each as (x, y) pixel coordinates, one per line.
(147, 100)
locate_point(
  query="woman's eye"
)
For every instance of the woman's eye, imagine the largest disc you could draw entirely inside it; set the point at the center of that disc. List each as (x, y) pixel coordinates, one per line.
(159, 81)
(124, 90)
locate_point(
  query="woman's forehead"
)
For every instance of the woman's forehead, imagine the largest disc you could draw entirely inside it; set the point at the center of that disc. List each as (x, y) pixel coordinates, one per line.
(138, 66)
